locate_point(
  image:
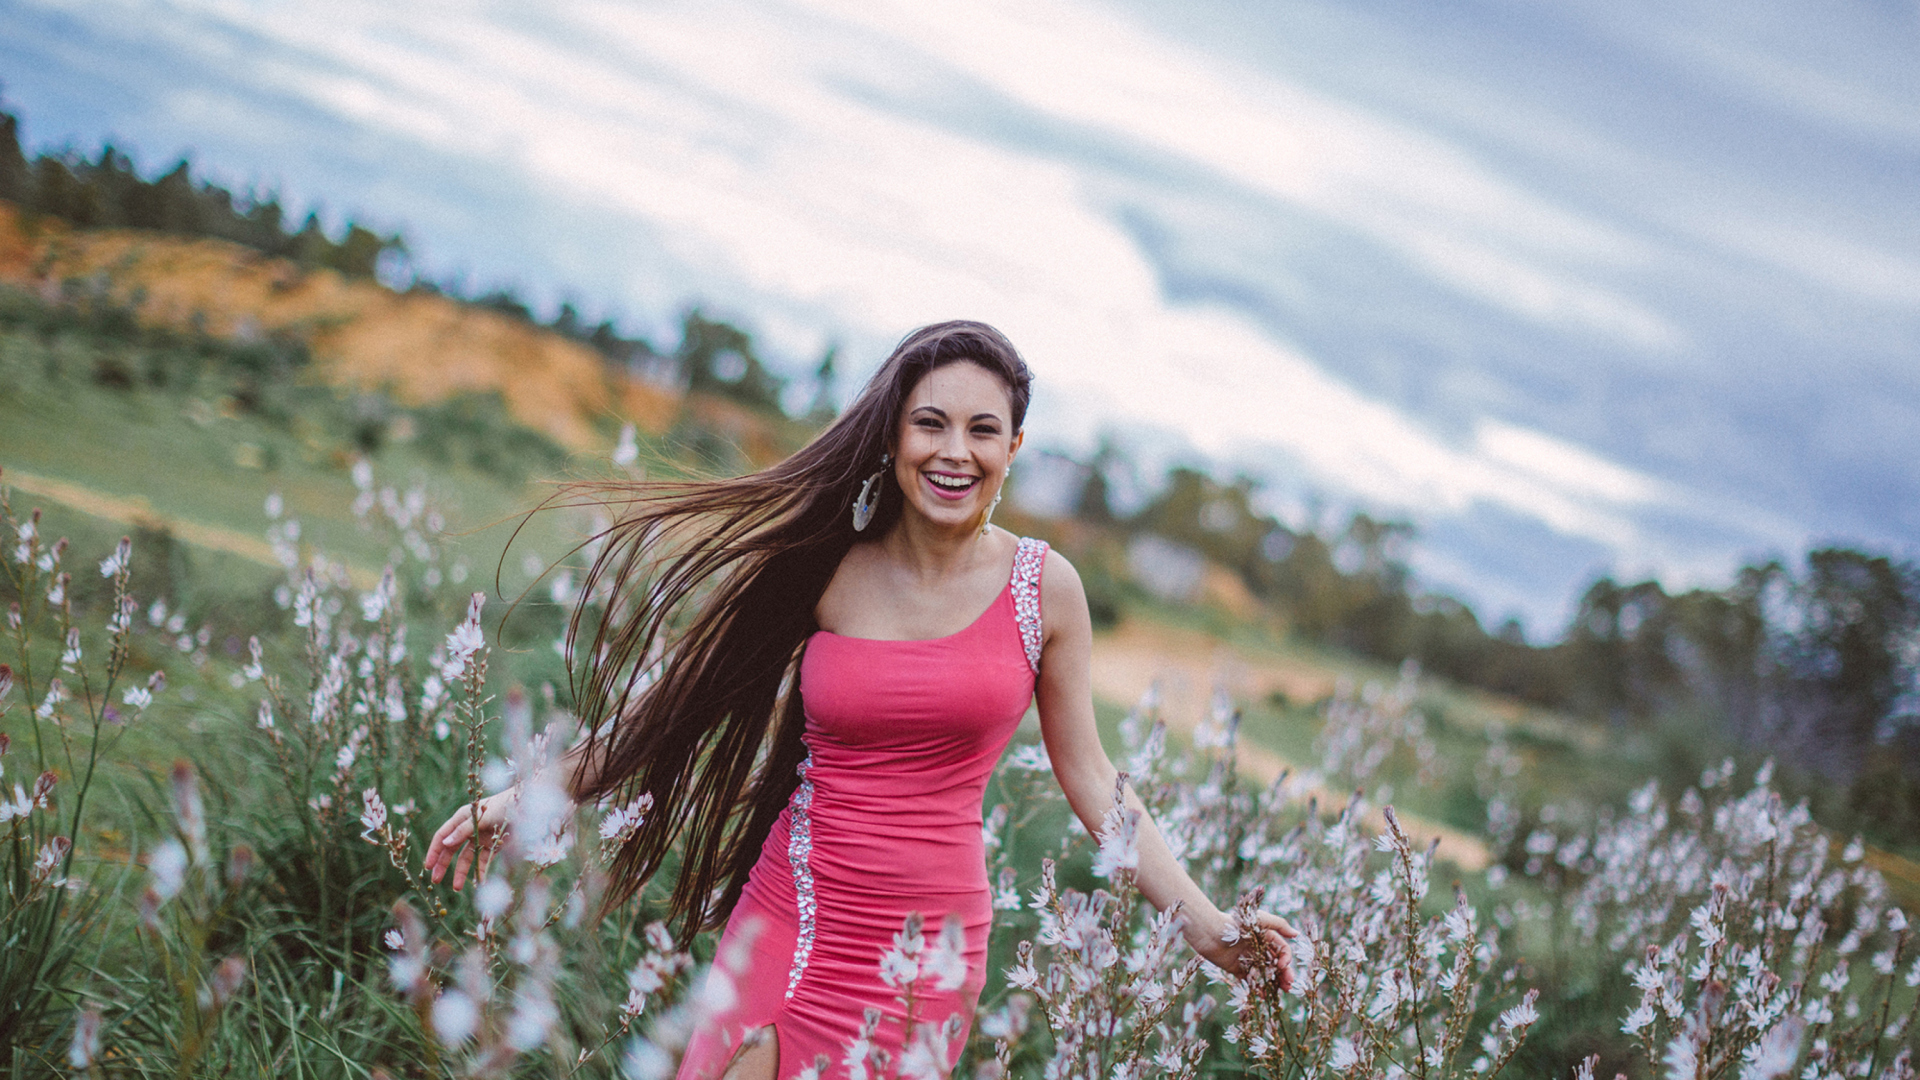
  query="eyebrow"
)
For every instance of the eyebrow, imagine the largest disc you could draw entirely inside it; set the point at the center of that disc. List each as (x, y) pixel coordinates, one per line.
(942, 413)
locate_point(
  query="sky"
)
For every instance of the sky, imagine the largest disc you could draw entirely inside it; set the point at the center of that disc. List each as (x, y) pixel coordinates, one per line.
(1601, 286)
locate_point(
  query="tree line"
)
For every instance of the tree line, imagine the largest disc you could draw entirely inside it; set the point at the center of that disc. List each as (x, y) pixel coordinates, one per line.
(107, 191)
(714, 356)
(1816, 660)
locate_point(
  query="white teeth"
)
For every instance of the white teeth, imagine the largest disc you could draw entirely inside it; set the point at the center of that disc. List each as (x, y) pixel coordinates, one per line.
(955, 482)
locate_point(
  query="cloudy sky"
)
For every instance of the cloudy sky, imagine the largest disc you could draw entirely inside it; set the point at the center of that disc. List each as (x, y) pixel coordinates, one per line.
(1601, 285)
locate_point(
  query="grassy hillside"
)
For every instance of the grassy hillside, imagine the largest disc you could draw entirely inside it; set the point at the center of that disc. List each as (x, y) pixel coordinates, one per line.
(422, 347)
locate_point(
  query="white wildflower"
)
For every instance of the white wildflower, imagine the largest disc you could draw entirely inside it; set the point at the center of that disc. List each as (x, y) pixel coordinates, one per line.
(1774, 1055)
(455, 1017)
(1459, 923)
(560, 590)
(17, 807)
(492, 898)
(113, 564)
(533, 1016)
(49, 856)
(375, 604)
(716, 994)
(85, 1048)
(900, 964)
(1119, 835)
(168, 865)
(1681, 1059)
(56, 695)
(946, 961)
(626, 451)
(644, 1060)
(373, 815)
(1521, 1015)
(621, 822)
(1031, 758)
(121, 621)
(465, 640)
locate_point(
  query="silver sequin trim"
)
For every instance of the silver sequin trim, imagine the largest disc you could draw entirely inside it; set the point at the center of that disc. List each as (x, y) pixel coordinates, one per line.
(799, 851)
(1027, 560)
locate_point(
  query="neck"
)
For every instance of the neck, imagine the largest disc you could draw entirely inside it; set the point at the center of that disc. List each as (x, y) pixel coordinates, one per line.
(931, 551)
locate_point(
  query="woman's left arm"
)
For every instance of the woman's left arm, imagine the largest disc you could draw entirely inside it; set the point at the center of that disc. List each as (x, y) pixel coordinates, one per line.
(1065, 694)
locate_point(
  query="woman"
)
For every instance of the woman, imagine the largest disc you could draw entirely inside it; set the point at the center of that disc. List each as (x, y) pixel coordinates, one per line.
(874, 661)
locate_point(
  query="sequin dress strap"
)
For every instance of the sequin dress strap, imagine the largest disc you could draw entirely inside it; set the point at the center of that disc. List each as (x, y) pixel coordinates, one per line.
(1027, 562)
(800, 856)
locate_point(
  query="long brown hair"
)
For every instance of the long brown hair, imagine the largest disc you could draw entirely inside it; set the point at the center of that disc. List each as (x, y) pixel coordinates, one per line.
(689, 689)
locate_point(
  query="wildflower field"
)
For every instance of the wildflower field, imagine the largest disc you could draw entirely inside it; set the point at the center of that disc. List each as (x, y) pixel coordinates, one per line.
(256, 908)
(220, 760)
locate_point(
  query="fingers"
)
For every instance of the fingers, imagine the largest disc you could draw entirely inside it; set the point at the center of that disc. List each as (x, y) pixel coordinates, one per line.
(456, 844)
(460, 866)
(447, 840)
(1270, 921)
(1277, 936)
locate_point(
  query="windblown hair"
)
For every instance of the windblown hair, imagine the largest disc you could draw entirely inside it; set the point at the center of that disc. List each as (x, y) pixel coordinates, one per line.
(690, 687)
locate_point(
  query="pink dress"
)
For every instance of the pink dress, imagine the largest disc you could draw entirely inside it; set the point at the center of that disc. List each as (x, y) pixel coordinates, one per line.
(901, 737)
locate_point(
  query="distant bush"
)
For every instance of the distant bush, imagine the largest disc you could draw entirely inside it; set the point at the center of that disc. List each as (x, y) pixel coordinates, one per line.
(476, 430)
(117, 351)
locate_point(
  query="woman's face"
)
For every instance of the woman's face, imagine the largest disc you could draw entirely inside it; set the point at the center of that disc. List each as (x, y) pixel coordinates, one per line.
(953, 444)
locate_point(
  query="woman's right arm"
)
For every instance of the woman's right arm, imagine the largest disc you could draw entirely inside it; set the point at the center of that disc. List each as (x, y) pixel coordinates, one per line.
(474, 830)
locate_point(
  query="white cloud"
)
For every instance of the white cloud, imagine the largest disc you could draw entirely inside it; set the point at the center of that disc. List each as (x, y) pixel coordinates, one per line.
(723, 135)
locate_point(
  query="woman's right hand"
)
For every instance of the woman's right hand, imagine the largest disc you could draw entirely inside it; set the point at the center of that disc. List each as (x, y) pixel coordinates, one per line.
(457, 842)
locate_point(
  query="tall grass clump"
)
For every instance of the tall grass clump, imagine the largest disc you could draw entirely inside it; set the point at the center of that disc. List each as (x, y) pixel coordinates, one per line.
(66, 697)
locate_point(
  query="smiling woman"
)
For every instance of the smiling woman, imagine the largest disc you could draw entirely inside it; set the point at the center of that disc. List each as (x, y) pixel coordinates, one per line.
(813, 686)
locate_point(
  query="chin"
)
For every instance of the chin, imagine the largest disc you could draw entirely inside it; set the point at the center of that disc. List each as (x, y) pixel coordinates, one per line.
(950, 517)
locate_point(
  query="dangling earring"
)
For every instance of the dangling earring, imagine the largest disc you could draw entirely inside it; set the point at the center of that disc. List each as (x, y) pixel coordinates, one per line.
(869, 500)
(987, 518)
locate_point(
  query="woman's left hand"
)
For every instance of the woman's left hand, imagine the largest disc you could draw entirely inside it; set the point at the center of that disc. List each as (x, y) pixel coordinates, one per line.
(1236, 958)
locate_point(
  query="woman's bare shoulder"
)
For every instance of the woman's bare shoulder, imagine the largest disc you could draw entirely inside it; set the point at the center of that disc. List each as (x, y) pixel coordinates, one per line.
(1062, 595)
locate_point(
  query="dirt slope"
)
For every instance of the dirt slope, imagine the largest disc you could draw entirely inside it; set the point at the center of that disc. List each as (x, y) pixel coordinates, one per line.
(423, 347)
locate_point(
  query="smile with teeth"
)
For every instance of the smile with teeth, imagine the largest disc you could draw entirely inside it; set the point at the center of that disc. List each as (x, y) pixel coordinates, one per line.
(949, 485)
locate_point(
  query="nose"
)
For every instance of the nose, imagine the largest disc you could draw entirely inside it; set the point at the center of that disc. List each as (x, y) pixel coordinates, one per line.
(954, 445)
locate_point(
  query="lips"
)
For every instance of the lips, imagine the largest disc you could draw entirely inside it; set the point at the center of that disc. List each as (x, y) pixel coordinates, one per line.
(951, 486)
